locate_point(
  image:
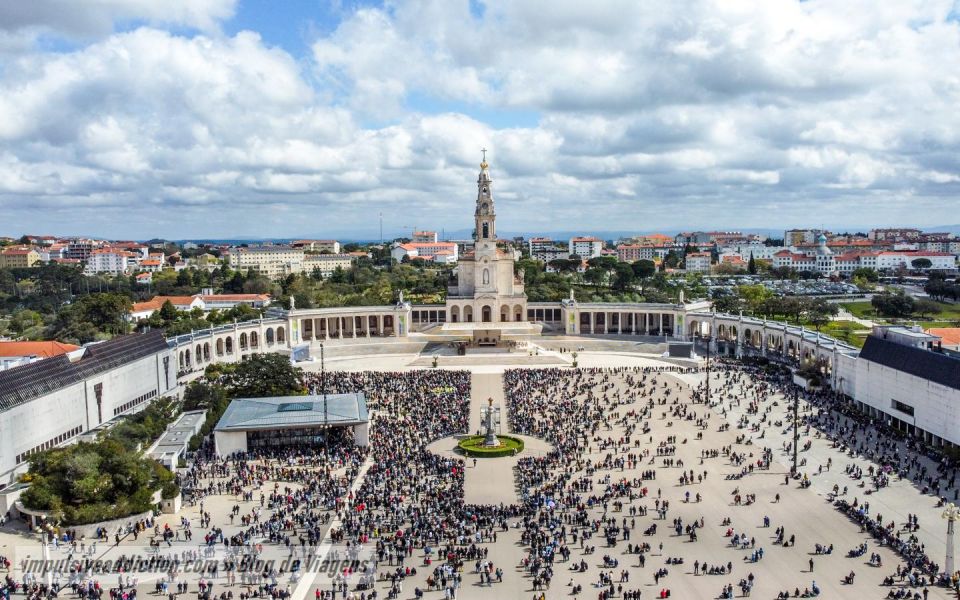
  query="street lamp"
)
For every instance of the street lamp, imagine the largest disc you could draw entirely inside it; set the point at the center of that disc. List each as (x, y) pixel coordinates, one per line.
(709, 340)
(42, 531)
(796, 426)
(951, 513)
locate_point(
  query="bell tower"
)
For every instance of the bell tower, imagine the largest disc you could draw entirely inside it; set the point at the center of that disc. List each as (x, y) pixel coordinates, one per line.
(485, 218)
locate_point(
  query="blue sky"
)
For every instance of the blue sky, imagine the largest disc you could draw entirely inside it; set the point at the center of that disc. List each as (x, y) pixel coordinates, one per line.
(242, 118)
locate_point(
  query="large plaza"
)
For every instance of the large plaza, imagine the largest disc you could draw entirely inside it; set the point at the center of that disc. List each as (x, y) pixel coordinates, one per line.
(578, 514)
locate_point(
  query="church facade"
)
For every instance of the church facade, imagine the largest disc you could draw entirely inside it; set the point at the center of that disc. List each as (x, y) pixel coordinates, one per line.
(488, 289)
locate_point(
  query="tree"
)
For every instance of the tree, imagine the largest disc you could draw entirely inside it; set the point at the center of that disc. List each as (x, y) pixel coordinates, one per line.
(893, 304)
(168, 312)
(624, 278)
(264, 375)
(91, 482)
(924, 307)
(867, 274)
(728, 303)
(752, 265)
(595, 276)
(921, 263)
(644, 268)
(754, 296)
(672, 260)
(820, 312)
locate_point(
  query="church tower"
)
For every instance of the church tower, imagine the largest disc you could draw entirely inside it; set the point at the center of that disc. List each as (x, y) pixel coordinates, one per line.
(485, 217)
(488, 290)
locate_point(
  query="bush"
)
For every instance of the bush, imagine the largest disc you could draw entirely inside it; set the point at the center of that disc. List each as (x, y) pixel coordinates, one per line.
(91, 482)
(170, 490)
(473, 447)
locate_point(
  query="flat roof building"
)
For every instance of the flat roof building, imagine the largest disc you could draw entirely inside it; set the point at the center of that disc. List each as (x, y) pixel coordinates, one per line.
(262, 423)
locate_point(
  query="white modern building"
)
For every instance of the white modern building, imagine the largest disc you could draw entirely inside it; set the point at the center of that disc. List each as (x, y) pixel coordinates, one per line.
(939, 261)
(273, 261)
(438, 252)
(109, 260)
(906, 380)
(50, 402)
(327, 263)
(697, 262)
(585, 247)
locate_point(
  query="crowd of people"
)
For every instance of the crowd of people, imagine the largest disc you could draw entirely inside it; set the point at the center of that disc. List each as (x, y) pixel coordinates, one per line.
(594, 488)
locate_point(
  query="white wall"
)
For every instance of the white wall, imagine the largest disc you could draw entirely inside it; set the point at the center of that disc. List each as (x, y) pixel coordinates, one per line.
(33, 423)
(936, 407)
(228, 442)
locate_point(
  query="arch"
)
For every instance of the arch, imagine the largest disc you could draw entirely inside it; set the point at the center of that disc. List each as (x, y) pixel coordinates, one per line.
(186, 356)
(486, 231)
(229, 344)
(181, 360)
(198, 353)
(281, 335)
(454, 314)
(504, 313)
(468, 314)
(518, 312)
(244, 341)
(585, 324)
(254, 339)
(206, 351)
(486, 314)
(270, 335)
(219, 346)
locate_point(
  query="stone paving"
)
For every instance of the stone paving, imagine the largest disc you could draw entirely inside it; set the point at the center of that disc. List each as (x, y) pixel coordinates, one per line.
(804, 513)
(489, 480)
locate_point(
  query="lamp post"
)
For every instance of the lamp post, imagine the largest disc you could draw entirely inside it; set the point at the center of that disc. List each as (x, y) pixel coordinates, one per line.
(323, 391)
(951, 513)
(709, 339)
(796, 426)
(42, 532)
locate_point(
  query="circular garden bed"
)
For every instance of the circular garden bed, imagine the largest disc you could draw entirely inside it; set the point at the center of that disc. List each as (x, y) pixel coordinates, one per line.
(473, 446)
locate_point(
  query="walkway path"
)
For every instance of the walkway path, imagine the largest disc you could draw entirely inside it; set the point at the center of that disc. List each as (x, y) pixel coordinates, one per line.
(491, 480)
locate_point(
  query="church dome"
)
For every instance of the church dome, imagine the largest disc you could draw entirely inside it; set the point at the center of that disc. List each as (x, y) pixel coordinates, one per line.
(822, 245)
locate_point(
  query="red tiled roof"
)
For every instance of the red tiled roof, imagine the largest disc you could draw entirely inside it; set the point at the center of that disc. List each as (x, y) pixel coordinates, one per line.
(950, 336)
(234, 297)
(46, 349)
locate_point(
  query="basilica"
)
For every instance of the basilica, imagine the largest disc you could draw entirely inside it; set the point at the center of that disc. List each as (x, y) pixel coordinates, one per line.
(488, 289)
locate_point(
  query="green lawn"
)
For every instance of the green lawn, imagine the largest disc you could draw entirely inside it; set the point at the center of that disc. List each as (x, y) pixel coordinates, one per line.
(948, 315)
(862, 310)
(845, 331)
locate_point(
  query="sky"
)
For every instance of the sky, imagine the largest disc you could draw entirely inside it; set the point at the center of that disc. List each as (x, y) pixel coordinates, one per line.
(295, 118)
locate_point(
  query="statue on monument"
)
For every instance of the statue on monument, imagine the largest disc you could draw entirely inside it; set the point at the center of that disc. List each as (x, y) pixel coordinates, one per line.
(490, 439)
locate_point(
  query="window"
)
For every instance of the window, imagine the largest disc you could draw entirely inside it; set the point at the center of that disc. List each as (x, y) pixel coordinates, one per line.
(900, 406)
(138, 400)
(56, 441)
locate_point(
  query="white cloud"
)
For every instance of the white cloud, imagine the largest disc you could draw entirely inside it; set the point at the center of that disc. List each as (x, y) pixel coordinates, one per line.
(97, 18)
(611, 115)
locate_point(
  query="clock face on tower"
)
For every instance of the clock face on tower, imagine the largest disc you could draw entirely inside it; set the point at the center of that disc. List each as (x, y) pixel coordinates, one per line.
(484, 209)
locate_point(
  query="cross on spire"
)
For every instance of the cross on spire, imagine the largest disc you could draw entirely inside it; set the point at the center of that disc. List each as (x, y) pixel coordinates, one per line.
(484, 150)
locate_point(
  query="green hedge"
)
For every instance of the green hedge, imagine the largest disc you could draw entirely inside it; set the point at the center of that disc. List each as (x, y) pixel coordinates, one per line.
(473, 447)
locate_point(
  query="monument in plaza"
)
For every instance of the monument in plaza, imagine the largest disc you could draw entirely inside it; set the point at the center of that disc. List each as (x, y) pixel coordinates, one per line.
(490, 424)
(488, 299)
